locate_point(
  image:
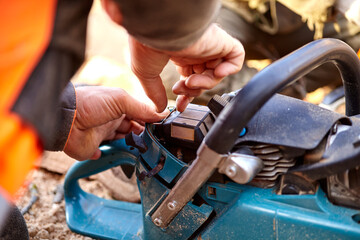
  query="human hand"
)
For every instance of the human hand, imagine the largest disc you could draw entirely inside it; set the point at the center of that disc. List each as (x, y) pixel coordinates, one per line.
(202, 66)
(105, 114)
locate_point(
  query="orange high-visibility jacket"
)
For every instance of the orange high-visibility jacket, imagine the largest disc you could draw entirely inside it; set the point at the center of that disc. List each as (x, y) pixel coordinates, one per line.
(42, 44)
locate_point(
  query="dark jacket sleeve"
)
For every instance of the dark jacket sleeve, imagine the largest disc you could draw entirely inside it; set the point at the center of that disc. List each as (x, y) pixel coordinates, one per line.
(168, 24)
(67, 109)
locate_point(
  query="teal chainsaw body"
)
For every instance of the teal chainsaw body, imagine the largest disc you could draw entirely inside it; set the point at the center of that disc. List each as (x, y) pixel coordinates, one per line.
(254, 165)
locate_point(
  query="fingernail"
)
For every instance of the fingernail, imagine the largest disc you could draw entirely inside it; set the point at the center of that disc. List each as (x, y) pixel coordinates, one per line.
(182, 102)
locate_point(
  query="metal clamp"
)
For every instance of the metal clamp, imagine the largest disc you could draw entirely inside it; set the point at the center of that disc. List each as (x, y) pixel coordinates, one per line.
(190, 182)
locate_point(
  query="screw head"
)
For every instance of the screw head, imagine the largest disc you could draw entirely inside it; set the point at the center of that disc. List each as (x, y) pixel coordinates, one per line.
(231, 170)
(334, 129)
(172, 205)
(157, 222)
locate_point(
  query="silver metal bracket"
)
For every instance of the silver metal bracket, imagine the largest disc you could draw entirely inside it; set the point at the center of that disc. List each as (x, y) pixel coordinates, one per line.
(206, 162)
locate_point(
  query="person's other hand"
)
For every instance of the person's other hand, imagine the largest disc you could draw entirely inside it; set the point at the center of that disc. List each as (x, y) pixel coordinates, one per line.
(105, 114)
(202, 65)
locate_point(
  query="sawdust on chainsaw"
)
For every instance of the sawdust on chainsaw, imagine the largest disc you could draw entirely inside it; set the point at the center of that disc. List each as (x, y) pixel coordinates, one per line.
(46, 219)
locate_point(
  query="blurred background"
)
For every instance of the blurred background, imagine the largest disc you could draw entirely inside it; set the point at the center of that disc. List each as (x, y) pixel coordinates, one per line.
(107, 63)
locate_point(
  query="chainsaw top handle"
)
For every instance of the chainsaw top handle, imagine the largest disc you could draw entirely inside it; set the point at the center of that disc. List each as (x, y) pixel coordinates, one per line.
(278, 75)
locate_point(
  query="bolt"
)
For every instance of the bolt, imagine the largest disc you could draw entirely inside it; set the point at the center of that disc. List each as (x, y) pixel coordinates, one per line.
(157, 222)
(172, 205)
(231, 170)
(334, 129)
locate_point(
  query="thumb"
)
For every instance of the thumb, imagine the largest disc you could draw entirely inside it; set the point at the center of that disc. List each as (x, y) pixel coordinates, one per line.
(99, 105)
(137, 110)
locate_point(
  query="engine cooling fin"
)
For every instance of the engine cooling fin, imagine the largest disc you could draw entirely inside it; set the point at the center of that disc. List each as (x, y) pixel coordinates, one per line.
(275, 164)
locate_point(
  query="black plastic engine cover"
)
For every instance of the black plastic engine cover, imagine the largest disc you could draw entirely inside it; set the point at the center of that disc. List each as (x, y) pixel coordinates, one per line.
(186, 129)
(290, 122)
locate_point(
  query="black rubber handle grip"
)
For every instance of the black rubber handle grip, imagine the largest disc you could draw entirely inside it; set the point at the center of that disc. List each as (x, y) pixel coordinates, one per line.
(278, 75)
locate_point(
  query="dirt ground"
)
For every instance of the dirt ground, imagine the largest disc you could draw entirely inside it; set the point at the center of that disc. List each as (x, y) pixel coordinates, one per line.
(45, 219)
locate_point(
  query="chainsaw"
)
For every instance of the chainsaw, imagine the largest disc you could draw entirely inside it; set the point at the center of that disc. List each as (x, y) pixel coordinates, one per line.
(252, 164)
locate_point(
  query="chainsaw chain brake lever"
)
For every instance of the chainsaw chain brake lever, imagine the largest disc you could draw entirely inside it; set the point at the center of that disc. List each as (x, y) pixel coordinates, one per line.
(234, 117)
